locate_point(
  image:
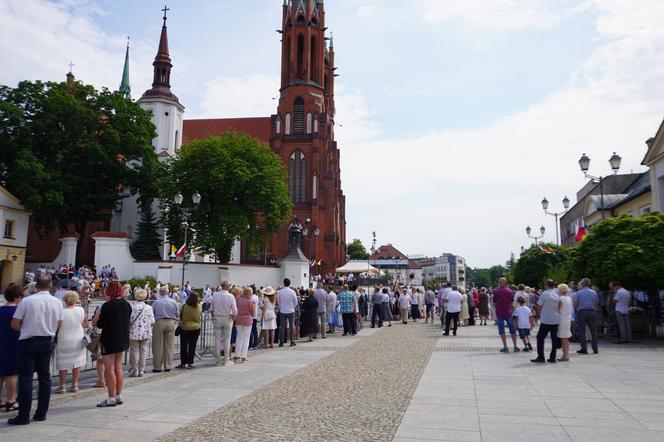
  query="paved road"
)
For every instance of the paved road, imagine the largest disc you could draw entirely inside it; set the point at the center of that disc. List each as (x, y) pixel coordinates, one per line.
(402, 383)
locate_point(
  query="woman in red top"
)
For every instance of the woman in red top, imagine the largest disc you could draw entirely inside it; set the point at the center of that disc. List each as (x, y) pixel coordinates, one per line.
(243, 322)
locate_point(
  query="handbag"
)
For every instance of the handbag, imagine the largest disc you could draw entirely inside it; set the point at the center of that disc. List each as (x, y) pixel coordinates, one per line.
(269, 315)
(178, 330)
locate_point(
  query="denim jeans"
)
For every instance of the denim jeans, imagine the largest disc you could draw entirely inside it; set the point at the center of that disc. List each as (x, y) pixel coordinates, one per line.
(34, 354)
(376, 316)
(290, 317)
(586, 318)
(253, 339)
(188, 340)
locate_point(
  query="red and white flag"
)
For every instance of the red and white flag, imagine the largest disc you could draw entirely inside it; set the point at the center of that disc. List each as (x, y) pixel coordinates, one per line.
(181, 250)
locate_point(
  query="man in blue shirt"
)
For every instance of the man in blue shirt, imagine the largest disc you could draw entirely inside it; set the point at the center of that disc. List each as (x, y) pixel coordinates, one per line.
(585, 302)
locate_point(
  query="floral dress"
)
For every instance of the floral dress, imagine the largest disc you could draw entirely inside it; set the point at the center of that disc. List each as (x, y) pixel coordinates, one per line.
(140, 322)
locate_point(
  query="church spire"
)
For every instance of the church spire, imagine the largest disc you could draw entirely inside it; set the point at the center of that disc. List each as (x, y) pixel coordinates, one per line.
(161, 81)
(124, 84)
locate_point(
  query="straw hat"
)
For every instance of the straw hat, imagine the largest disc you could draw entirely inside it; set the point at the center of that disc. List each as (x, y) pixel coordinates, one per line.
(268, 291)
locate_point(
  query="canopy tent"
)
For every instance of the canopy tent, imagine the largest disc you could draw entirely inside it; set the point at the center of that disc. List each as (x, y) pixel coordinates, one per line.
(357, 267)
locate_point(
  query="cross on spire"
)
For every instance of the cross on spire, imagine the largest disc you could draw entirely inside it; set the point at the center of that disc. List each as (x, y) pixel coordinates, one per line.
(165, 10)
(71, 65)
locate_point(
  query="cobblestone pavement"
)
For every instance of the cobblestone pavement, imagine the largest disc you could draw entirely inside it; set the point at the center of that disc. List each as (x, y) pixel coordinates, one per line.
(358, 393)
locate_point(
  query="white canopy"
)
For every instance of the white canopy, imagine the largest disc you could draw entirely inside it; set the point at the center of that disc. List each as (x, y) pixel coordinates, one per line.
(357, 267)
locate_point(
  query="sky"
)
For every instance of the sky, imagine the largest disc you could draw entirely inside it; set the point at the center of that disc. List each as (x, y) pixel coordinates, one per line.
(454, 118)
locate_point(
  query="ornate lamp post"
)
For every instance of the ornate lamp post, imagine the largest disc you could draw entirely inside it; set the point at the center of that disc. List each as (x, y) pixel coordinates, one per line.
(185, 213)
(311, 231)
(529, 230)
(545, 206)
(584, 164)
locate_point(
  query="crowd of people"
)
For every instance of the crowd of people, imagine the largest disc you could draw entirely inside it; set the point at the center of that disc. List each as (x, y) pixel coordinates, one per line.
(46, 316)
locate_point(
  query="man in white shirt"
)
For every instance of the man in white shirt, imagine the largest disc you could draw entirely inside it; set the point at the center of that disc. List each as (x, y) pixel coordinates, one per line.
(207, 296)
(622, 299)
(286, 301)
(453, 303)
(404, 306)
(329, 310)
(38, 318)
(223, 309)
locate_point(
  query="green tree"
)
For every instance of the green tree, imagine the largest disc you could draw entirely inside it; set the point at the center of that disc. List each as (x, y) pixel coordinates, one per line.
(355, 250)
(479, 277)
(148, 241)
(243, 188)
(534, 266)
(626, 249)
(70, 152)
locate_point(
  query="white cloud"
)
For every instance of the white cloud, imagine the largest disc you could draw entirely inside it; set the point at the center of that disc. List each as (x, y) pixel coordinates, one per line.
(474, 191)
(41, 38)
(495, 15)
(250, 96)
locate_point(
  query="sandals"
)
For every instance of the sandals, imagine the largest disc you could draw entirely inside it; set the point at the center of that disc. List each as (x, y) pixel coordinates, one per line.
(98, 385)
(74, 389)
(10, 406)
(563, 359)
(61, 390)
(181, 366)
(105, 403)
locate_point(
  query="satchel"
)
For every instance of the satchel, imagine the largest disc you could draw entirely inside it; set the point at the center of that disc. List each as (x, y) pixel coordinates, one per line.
(269, 315)
(178, 329)
(93, 345)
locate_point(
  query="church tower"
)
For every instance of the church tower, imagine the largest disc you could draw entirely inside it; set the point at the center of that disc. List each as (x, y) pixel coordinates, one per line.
(167, 112)
(303, 133)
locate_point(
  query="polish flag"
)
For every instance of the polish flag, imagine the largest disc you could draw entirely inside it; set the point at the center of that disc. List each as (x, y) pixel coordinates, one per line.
(181, 250)
(580, 234)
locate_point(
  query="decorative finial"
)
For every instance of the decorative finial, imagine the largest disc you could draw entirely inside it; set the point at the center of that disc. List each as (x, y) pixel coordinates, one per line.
(128, 40)
(165, 10)
(71, 65)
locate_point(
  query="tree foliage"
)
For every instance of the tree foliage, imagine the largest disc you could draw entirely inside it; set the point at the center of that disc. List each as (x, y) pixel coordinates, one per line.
(243, 188)
(148, 241)
(486, 277)
(626, 249)
(70, 152)
(355, 250)
(534, 266)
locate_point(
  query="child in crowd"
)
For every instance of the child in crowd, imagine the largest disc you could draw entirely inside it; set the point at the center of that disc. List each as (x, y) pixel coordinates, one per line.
(523, 315)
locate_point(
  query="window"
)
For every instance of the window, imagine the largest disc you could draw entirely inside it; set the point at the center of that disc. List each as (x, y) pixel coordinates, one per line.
(644, 210)
(314, 60)
(298, 111)
(287, 129)
(300, 57)
(177, 137)
(314, 187)
(297, 173)
(309, 122)
(9, 229)
(315, 125)
(278, 125)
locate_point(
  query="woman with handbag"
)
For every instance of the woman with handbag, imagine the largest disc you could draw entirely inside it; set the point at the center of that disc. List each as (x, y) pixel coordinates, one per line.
(190, 330)
(140, 332)
(70, 349)
(245, 313)
(269, 317)
(114, 323)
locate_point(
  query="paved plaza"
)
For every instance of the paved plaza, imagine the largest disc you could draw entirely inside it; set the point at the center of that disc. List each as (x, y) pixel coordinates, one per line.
(404, 382)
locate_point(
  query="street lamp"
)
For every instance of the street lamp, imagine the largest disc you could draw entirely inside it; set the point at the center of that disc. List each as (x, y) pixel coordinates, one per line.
(529, 230)
(545, 206)
(584, 164)
(311, 231)
(185, 224)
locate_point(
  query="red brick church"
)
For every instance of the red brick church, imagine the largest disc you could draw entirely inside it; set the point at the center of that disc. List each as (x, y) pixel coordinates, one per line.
(302, 133)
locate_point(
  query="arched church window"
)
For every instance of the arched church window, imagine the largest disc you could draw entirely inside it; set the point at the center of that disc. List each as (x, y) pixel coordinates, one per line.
(277, 124)
(177, 137)
(314, 60)
(316, 124)
(298, 111)
(309, 122)
(287, 128)
(314, 186)
(300, 57)
(297, 175)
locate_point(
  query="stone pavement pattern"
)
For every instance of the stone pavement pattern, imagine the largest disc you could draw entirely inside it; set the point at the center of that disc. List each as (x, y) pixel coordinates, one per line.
(470, 392)
(358, 393)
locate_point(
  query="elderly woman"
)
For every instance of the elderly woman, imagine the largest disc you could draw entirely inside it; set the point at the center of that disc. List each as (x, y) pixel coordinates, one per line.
(70, 349)
(465, 312)
(140, 332)
(9, 346)
(309, 315)
(190, 330)
(565, 308)
(483, 301)
(245, 313)
(114, 323)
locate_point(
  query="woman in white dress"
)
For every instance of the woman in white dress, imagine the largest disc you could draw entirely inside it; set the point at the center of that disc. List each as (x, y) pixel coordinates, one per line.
(268, 317)
(565, 325)
(465, 313)
(70, 349)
